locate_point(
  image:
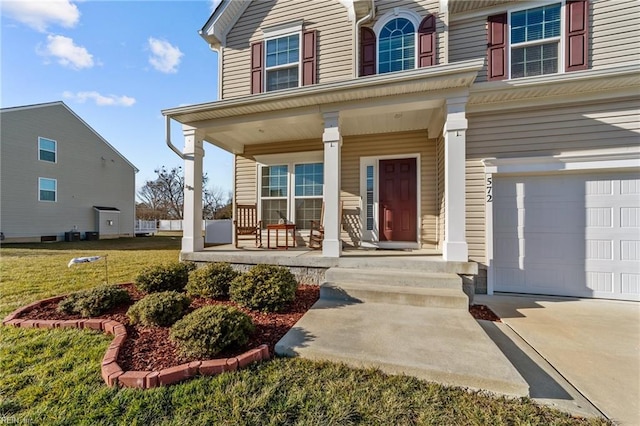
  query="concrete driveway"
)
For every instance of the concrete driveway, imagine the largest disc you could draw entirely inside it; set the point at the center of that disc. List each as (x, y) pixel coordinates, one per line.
(593, 344)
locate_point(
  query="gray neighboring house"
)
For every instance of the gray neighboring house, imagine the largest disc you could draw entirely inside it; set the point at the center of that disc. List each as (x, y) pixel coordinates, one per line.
(59, 179)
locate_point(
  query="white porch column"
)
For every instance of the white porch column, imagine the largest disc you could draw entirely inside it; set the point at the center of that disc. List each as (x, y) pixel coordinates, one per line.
(192, 239)
(455, 243)
(332, 139)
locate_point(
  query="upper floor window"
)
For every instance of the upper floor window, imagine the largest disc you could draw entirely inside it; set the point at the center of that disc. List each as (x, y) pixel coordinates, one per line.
(400, 40)
(47, 189)
(535, 41)
(397, 46)
(547, 39)
(47, 149)
(282, 62)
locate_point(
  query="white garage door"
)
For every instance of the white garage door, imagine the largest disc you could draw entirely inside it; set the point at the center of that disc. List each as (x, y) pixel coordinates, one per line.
(569, 235)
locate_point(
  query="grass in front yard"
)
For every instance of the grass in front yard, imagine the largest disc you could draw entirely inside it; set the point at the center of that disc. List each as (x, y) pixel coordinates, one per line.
(52, 377)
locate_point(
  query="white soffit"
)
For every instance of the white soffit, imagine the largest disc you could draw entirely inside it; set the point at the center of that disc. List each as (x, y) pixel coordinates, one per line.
(221, 21)
(566, 88)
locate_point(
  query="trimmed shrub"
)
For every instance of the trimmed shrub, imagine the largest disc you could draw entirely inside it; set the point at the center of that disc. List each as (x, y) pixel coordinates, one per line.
(212, 280)
(207, 331)
(94, 301)
(265, 287)
(162, 309)
(170, 277)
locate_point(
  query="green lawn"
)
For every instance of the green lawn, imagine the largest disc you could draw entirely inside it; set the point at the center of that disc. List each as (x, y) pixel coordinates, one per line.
(52, 377)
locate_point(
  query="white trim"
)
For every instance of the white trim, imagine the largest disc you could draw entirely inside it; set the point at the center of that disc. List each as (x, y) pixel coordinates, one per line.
(616, 159)
(374, 234)
(282, 30)
(290, 157)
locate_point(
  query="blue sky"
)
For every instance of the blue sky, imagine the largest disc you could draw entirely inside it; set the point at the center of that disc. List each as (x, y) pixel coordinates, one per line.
(116, 64)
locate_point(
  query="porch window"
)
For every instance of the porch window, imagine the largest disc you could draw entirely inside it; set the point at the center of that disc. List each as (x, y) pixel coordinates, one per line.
(47, 189)
(291, 192)
(535, 41)
(308, 193)
(282, 62)
(274, 193)
(47, 149)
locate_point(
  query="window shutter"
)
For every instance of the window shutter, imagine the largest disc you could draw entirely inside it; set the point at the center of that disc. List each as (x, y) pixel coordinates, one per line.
(257, 67)
(577, 36)
(367, 52)
(309, 62)
(497, 47)
(427, 42)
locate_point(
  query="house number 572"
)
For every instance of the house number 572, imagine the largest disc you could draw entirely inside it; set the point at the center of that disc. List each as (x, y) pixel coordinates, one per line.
(489, 189)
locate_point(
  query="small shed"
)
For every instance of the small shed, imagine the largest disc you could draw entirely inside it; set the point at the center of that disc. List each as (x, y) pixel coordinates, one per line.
(108, 221)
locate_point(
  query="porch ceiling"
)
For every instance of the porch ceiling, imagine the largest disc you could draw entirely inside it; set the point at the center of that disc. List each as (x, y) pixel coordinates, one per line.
(376, 104)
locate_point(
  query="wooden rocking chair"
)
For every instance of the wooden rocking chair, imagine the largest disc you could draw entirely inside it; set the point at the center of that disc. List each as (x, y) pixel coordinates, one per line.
(316, 233)
(246, 224)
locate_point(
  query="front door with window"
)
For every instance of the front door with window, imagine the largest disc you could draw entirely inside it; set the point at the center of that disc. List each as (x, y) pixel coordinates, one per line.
(398, 199)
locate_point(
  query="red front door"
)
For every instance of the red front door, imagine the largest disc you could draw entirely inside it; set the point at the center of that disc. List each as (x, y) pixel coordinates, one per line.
(398, 200)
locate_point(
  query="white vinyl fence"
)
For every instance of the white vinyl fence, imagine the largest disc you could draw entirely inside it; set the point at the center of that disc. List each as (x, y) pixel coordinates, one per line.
(216, 231)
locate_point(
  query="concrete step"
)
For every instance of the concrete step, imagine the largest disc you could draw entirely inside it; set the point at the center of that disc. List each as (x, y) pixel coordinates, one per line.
(416, 263)
(395, 294)
(405, 278)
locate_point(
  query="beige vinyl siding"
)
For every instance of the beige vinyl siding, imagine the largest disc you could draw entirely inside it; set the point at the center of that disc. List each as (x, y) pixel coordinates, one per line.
(246, 184)
(422, 8)
(540, 132)
(468, 40)
(390, 144)
(334, 40)
(88, 173)
(615, 33)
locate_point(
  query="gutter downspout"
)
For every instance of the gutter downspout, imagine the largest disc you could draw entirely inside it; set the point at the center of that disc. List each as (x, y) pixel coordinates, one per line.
(356, 28)
(168, 139)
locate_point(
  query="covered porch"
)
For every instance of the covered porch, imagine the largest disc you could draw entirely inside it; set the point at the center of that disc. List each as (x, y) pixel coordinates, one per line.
(354, 130)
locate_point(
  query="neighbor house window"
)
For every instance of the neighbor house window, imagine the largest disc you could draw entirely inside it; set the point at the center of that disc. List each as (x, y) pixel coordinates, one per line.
(47, 189)
(47, 149)
(397, 46)
(282, 62)
(291, 193)
(535, 41)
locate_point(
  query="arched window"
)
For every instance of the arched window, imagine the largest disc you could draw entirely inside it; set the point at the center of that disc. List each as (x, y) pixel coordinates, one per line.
(397, 46)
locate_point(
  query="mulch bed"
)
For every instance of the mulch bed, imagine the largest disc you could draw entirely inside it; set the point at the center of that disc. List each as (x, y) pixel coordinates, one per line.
(482, 312)
(149, 348)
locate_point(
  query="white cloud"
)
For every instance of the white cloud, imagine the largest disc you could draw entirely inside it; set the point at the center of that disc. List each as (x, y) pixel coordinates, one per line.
(39, 14)
(100, 100)
(164, 57)
(67, 52)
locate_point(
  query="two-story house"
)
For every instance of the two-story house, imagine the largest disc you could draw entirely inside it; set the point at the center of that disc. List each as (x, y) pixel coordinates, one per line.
(504, 133)
(60, 179)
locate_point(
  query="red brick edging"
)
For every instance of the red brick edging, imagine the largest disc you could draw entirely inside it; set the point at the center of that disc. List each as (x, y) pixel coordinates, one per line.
(112, 374)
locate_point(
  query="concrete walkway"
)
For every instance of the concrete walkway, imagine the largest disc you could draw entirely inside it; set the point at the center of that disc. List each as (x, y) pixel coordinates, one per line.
(437, 344)
(593, 344)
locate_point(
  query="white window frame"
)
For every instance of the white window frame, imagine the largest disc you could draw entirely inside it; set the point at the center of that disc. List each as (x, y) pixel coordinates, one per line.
(281, 31)
(371, 238)
(55, 151)
(55, 191)
(413, 17)
(289, 160)
(560, 39)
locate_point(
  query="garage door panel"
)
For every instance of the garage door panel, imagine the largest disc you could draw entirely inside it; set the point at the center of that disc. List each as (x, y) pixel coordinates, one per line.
(568, 234)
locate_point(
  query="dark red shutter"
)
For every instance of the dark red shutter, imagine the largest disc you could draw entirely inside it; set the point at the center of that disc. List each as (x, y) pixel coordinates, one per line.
(427, 42)
(309, 62)
(577, 34)
(257, 67)
(497, 47)
(367, 52)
